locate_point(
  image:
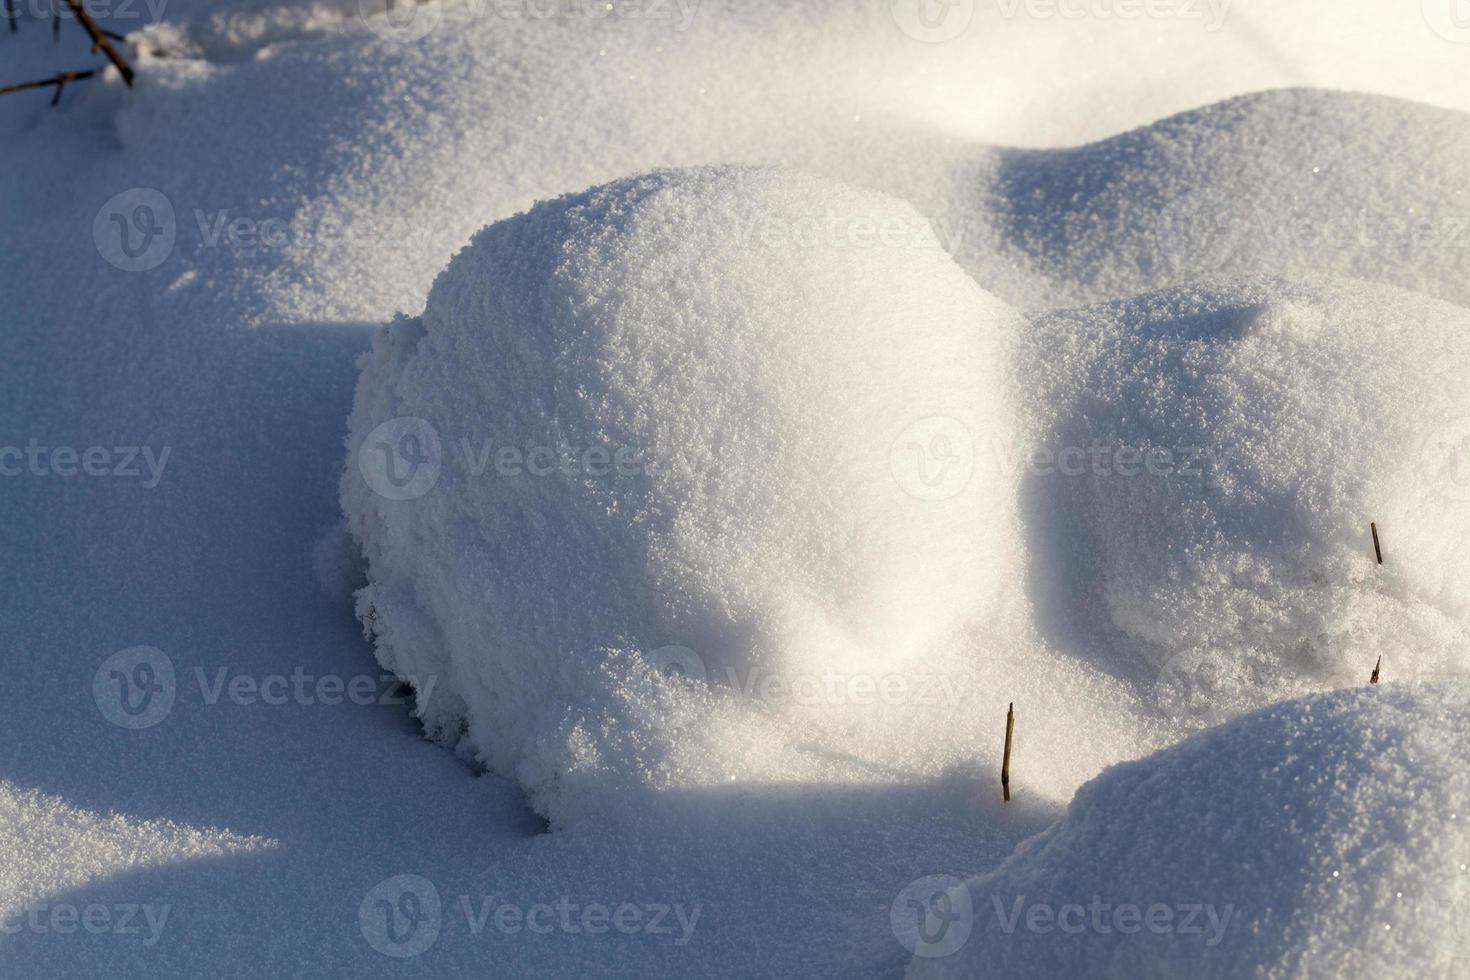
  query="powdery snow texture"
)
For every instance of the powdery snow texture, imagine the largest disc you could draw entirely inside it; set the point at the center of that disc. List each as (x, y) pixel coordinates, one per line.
(1230, 447)
(741, 426)
(1321, 837)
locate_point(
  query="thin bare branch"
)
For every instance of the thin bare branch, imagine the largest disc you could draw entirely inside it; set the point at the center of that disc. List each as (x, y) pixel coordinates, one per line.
(59, 80)
(100, 41)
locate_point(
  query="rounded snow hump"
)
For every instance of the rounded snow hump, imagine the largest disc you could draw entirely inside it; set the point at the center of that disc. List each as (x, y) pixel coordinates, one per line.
(729, 422)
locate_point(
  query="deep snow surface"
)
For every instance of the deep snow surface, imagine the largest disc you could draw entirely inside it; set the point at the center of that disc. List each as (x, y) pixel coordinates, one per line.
(1321, 837)
(307, 174)
(653, 426)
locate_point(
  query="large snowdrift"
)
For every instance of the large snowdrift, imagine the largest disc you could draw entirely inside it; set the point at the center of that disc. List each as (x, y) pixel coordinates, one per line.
(1321, 837)
(377, 194)
(1292, 182)
(661, 426)
(1210, 463)
(382, 155)
(667, 422)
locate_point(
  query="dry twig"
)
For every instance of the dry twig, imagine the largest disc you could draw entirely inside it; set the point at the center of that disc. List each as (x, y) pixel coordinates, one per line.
(1005, 765)
(101, 41)
(59, 80)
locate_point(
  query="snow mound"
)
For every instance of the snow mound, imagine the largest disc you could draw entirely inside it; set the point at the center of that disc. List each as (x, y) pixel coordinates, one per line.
(1321, 837)
(1211, 461)
(31, 822)
(1295, 182)
(656, 425)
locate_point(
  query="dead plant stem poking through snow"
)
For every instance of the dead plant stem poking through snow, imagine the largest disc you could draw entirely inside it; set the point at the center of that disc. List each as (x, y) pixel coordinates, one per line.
(1005, 764)
(1378, 554)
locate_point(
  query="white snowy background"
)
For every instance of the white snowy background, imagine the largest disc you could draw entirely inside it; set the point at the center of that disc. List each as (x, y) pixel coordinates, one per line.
(1239, 227)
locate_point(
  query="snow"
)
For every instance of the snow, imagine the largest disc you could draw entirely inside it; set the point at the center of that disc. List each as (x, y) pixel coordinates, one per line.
(1325, 836)
(667, 413)
(1287, 182)
(70, 847)
(1231, 446)
(320, 171)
